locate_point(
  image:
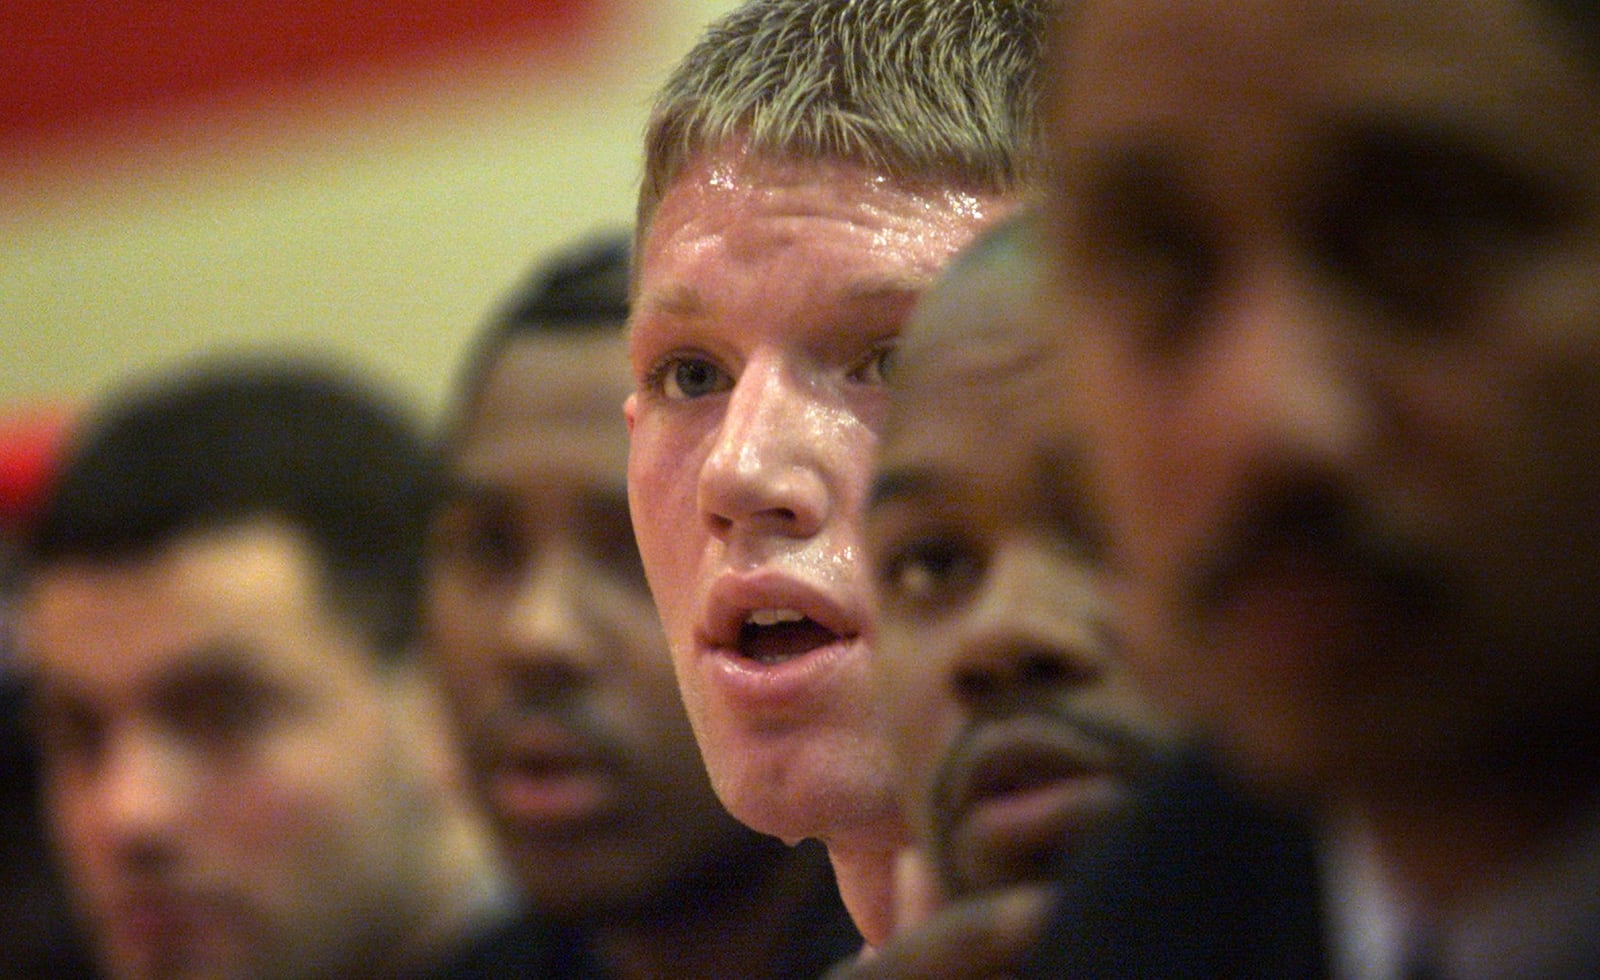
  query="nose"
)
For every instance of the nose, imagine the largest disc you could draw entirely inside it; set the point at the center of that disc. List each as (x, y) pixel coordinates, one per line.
(765, 470)
(1036, 629)
(1277, 383)
(549, 639)
(140, 794)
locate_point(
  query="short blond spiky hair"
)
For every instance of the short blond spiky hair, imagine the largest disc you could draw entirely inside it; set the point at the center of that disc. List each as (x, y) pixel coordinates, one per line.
(942, 90)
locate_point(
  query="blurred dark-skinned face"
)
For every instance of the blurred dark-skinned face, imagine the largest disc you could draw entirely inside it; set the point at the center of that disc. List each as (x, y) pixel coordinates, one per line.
(1017, 726)
(553, 653)
(1332, 272)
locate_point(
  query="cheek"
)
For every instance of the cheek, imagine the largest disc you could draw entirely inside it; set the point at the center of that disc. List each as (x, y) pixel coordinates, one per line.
(459, 617)
(70, 821)
(274, 818)
(663, 474)
(327, 772)
(911, 668)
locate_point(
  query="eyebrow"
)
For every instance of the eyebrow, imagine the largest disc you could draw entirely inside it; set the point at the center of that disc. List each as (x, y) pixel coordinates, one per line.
(673, 299)
(213, 664)
(871, 288)
(458, 487)
(684, 300)
(901, 484)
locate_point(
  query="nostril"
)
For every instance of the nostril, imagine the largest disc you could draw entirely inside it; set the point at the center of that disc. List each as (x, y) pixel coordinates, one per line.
(1041, 670)
(1018, 675)
(974, 686)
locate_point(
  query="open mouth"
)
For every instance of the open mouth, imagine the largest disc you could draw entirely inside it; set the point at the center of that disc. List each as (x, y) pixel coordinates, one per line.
(539, 792)
(773, 636)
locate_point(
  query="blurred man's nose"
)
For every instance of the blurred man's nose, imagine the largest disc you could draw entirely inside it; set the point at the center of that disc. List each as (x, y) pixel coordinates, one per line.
(1035, 629)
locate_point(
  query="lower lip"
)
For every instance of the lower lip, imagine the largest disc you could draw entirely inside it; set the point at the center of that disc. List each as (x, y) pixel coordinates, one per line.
(554, 798)
(1049, 818)
(795, 683)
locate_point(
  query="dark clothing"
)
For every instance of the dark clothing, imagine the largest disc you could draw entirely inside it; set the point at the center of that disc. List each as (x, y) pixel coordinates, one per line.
(534, 948)
(526, 947)
(822, 934)
(38, 938)
(1197, 882)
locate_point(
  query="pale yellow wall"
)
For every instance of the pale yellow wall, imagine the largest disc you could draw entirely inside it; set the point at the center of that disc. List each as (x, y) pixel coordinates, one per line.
(384, 241)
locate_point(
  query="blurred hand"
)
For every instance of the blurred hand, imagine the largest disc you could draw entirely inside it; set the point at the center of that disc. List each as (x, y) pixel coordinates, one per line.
(977, 938)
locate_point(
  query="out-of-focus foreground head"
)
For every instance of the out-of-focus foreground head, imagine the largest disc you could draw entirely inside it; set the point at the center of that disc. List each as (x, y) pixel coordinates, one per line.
(1332, 275)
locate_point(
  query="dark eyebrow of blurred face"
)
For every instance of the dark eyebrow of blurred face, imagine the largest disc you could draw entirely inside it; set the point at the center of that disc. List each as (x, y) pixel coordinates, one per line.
(901, 484)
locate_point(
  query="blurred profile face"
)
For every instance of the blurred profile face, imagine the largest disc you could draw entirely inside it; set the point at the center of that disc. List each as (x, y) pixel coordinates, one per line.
(228, 776)
(768, 295)
(1017, 726)
(1334, 274)
(552, 651)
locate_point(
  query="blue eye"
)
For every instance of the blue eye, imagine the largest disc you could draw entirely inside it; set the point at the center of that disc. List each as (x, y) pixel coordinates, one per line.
(684, 378)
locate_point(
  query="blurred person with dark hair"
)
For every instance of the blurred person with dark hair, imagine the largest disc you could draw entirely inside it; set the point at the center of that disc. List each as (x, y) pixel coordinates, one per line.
(247, 772)
(543, 627)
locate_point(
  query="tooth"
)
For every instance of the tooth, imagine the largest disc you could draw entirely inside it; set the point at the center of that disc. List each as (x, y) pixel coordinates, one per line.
(772, 617)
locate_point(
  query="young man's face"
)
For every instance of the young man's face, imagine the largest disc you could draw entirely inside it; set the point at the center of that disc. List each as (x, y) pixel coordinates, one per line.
(1333, 273)
(228, 776)
(768, 294)
(552, 651)
(1017, 725)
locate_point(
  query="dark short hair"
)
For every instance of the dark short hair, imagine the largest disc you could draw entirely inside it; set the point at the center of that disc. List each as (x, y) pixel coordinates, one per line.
(229, 441)
(582, 289)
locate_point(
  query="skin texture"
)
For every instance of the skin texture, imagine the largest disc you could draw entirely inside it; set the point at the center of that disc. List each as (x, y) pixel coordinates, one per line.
(233, 782)
(1017, 725)
(767, 294)
(1333, 272)
(551, 650)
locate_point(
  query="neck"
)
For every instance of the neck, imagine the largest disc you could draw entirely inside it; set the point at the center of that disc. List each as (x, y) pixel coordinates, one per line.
(863, 865)
(742, 929)
(473, 894)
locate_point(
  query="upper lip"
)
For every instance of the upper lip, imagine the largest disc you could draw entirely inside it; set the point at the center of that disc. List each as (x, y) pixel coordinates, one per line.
(162, 906)
(734, 596)
(541, 742)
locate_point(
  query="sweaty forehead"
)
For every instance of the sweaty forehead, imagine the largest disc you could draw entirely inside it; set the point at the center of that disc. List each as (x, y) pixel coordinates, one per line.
(738, 200)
